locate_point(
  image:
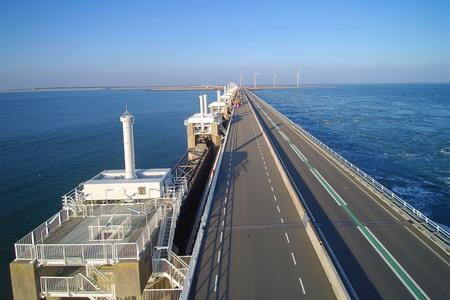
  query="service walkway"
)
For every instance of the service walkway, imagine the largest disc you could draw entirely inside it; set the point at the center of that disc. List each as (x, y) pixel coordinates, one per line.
(256, 246)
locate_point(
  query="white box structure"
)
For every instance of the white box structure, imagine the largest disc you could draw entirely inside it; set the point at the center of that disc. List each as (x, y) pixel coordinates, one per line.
(112, 185)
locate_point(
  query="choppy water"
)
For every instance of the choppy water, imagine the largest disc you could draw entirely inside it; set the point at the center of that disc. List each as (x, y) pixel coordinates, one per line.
(399, 134)
(51, 141)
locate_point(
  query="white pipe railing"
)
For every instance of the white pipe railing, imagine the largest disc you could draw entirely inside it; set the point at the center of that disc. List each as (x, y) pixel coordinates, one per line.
(158, 294)
(100, 279)
(69, 286)
(411, 210)
(24, 247)
(163, 266)
(95, 253)
(110, 232)
(201, 232)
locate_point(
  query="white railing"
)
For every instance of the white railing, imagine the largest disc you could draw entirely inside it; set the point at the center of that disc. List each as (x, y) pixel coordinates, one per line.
(110, 232)
(100, 279)
(30, 247)
(24, 247)
(158, 294)
(97, 210)
(201, 232)
(99, 253)
(163, 266)
(411, 210)
(71, 199)
(178, 262)
(70, 286)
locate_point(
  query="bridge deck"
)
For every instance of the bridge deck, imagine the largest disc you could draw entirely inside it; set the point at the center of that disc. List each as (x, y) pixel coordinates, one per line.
(382, 255)
(255, 246)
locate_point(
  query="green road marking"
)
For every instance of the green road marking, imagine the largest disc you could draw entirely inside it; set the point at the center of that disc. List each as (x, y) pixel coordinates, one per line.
(398, 270)
(330, 190)
(298, 152)
(393, 264)
(284, 136)
(325, 185)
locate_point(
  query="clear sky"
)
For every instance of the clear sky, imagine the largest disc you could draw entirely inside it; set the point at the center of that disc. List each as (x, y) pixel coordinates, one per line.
(73, 43)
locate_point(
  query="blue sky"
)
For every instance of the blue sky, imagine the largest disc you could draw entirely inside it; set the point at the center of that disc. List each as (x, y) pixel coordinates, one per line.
(73, 43)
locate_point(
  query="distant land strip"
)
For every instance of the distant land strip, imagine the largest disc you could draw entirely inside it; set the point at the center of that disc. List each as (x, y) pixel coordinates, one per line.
(159, 88)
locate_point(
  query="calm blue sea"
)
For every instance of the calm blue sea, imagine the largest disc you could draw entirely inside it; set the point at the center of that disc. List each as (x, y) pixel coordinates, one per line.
(51, 141)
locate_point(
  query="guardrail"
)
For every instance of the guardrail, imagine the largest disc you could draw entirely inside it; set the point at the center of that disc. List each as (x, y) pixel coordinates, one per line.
(158, 294)
(201, 232)
(163, 266)
(68, 286)
(411, 210)
(95, 253)
(100, 279)
(24, 247)
(110, 232)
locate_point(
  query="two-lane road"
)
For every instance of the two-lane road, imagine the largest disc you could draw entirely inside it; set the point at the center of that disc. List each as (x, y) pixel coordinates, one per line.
(379, 253)
(255, 245)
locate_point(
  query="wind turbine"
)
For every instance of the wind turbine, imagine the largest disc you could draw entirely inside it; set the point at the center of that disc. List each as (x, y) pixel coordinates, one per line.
(254, 79)
(274, 79)
(297, 75)
(240, 79)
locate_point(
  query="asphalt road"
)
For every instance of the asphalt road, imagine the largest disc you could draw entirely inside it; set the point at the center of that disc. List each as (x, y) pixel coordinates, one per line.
(256, 246)
(380, 254)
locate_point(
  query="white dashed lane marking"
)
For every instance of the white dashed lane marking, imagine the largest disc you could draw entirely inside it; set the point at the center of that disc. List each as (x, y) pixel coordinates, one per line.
(287, 237)
(301, 283)
(293, 259)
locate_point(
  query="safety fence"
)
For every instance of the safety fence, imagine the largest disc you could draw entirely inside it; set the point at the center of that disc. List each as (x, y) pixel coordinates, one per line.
(108, 232)
(164, 267)
(78, 285)
(201, 232)
(94, 253)
(24, 247)
(158, 294)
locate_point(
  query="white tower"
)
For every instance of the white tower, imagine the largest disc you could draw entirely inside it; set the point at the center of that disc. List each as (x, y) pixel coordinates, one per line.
(127, 120)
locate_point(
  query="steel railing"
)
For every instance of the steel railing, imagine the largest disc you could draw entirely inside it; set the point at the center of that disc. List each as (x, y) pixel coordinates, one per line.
(100, 279)
(70, 286)
(201, 232)
(158, 294)
(24, 247)
(94, 253)
(411, 210)
(110, 232)
(163, 266)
